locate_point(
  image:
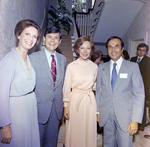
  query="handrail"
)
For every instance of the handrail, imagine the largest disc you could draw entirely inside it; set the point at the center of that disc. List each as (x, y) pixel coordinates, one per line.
(86, 23)
(76, 24)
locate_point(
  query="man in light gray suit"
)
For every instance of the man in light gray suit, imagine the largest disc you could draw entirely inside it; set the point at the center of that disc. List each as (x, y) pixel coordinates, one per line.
(50, 69)
(120, 96)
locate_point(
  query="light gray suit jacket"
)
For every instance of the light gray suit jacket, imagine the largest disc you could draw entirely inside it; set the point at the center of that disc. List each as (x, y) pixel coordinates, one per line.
(47, 94)
(127, 98)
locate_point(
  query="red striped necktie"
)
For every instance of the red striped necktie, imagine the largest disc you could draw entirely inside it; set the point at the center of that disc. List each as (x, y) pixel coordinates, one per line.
(53, 68)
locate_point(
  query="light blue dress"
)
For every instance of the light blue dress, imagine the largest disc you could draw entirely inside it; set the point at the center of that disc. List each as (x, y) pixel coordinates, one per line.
(18, 105)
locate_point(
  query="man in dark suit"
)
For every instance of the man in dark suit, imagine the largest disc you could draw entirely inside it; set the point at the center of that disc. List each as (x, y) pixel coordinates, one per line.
(144, 65)
(50, 68)
(120, 96)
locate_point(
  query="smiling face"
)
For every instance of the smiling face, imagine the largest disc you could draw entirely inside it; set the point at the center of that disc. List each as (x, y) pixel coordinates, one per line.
(52, 41)
(84, 51)
(114, 49)
(28, 38)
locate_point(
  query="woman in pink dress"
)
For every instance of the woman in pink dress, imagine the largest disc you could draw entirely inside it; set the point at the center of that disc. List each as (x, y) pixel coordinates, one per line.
(79, 100)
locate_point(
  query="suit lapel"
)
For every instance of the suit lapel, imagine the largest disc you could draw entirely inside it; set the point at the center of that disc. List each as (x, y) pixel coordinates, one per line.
(135, 59)
(123, 69)
(45, 66)
(59, 69)
(143, 61)
(106, 72)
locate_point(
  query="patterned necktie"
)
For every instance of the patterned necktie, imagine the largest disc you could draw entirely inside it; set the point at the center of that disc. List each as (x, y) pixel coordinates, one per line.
(114, 76)
(53, 68)
(138, 60)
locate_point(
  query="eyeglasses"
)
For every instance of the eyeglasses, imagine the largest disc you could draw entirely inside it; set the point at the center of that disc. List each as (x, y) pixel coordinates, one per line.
(141, 50)
(115, 47)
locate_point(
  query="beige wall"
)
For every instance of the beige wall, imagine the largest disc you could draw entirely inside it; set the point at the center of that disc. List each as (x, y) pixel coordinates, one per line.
(12, 11)
(139, 29)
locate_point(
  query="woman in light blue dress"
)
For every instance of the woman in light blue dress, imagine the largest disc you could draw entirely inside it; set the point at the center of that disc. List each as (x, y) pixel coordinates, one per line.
(18, 105)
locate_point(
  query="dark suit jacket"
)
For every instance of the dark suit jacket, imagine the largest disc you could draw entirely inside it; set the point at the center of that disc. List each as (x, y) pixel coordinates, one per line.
(144, 66)
(47, 94)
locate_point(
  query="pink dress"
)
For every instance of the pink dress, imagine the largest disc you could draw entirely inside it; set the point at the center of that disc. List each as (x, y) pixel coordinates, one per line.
(79, 98)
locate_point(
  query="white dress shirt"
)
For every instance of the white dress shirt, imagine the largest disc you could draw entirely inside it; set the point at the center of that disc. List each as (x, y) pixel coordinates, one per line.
(140, 58)
(119, 62)
(49, 58)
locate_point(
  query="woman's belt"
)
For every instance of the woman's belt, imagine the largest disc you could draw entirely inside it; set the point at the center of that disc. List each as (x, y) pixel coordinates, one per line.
(23, 94)
(84, 92)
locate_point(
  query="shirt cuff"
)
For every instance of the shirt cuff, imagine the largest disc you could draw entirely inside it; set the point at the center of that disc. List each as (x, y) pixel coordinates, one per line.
(66, 104)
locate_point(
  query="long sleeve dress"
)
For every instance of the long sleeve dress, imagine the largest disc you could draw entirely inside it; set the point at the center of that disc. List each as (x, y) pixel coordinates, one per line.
(79, 98)
(18, 105)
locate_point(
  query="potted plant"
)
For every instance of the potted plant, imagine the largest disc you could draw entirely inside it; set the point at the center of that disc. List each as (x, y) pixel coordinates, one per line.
(60, 18)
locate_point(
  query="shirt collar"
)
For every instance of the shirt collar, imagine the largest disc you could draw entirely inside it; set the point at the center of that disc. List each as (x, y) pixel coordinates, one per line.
(140, 57)
(119, 61)
(49, 54)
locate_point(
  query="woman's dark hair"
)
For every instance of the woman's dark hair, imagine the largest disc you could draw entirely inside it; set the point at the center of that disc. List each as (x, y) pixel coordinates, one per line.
(96, 55)
(21, 25)
(80, 41)
(99, 52)
(126, 55)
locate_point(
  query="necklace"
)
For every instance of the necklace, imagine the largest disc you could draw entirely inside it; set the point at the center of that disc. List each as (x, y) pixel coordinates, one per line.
(28, 70)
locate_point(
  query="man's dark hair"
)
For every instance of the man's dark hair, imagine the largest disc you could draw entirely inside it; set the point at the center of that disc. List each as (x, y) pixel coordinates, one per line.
(143, 45)
(115, 37)
(52, 30)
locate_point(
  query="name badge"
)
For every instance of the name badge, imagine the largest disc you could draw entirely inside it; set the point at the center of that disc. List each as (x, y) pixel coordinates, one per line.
(123, 75)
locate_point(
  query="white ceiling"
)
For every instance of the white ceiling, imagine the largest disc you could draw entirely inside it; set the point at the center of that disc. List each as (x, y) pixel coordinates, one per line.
(115, 19)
